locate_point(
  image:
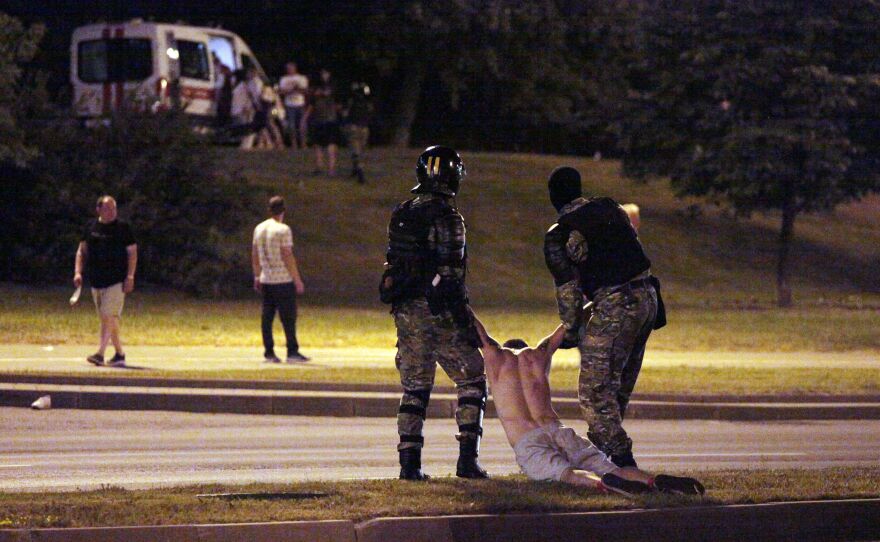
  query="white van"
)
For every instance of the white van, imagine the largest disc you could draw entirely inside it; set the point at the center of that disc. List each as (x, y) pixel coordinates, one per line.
(150, 64)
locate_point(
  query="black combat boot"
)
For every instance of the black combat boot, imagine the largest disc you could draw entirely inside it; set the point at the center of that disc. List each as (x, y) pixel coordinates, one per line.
(468, 450)
(411, 464)
(624, 460)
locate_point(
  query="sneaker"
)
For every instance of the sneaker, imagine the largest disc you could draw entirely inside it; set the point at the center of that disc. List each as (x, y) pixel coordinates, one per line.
(118, 360)
(621, 486)
(272, 358)
(296, 357)
(96, 359)
(678, 485)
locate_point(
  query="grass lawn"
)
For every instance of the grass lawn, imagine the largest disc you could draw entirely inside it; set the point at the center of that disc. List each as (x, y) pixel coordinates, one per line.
(717, 272)
(362, 500)
(42, 316)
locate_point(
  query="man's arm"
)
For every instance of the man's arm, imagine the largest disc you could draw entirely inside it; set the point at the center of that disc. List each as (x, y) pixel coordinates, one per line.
(290, 264)
(79, 262)
(449, 241)
(569, 298)
(128, 285)
(256, 267)
(489, 343)
(551, 342)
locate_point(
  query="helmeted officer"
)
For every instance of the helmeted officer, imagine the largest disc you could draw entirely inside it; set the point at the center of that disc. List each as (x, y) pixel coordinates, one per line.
(424, 281)
(594, 253)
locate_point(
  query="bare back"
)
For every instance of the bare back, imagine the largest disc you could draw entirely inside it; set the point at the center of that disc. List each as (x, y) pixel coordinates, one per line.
(504, 382)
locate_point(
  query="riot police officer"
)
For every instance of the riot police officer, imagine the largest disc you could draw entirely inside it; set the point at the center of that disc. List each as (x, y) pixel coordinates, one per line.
(424, 281)
(594, 253)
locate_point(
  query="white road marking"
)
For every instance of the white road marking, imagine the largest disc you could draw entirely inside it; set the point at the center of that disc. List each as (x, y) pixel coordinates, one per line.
(14, 466)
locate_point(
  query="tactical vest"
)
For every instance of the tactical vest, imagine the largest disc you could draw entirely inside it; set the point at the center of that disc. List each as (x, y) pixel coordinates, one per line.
(614, 253)
(413, 263)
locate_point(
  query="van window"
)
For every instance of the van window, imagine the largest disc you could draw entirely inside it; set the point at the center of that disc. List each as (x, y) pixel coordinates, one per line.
(114, 60)
(193, 60)
(221, 46)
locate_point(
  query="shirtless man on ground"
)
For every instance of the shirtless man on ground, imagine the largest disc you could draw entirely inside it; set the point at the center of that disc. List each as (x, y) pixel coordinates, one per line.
(546, 449)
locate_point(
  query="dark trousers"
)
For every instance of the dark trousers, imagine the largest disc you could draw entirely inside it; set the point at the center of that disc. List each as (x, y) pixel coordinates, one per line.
(281, 298)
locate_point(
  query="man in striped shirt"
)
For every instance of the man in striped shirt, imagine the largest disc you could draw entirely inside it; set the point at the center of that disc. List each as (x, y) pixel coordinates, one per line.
(277, 278)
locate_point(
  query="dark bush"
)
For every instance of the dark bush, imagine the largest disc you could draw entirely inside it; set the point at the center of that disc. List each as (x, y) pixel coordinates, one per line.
(186, 214)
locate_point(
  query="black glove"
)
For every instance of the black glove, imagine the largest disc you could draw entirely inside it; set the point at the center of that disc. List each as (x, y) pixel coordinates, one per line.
(570, 339)
(472, 337)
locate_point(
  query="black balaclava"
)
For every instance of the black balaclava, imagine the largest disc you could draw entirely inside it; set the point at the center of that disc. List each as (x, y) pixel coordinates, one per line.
(565, 186)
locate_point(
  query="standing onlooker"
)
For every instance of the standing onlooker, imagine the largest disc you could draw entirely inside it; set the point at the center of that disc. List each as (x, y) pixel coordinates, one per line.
(223, 95)
(277, 277)
(323, 120)
(108, 253)
(293, 88)
(357, 127)
(243, 109)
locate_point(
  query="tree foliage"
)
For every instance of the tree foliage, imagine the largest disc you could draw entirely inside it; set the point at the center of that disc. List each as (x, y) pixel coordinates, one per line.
(182, 209)
(759, 104)
(17, 46)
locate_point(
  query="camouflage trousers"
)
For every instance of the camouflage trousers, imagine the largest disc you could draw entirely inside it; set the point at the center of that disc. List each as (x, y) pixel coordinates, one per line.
(357, 137)
(423, 341)
(612, 345)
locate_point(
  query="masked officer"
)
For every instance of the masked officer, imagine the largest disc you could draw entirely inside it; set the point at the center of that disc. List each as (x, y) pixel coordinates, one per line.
(424, 281)
(594, 253)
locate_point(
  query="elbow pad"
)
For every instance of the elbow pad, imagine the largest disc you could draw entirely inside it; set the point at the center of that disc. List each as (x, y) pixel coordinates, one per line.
(450, 238)
(556, 255)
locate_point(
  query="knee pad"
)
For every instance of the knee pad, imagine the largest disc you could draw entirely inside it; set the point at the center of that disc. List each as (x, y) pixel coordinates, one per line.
(420, 398)
(480, 401)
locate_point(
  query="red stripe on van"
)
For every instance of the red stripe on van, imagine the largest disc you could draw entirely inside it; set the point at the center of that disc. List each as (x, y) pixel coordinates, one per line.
(120, 85)
(194, 93)
(105, 104)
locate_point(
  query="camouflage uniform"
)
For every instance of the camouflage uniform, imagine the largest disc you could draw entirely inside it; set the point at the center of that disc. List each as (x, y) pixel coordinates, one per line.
(611, 334)
(425, 339)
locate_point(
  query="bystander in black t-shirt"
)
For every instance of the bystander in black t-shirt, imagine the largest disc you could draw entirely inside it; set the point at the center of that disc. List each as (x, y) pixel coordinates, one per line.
(107, 257)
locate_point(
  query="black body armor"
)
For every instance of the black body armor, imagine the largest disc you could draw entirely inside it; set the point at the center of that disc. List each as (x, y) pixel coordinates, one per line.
(614, 255)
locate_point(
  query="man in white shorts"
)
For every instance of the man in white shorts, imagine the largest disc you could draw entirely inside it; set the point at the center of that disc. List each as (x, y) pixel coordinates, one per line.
(546, 449)
(107, 255)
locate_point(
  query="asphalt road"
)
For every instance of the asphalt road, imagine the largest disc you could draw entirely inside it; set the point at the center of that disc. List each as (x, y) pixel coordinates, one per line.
(70, 449)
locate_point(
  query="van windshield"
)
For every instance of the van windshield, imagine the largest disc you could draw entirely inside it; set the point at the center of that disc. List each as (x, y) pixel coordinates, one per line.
(194, 60)
(114, 60)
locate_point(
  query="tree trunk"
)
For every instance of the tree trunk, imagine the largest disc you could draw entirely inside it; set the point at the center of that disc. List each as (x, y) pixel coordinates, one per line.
(783, 288)
(404, 113)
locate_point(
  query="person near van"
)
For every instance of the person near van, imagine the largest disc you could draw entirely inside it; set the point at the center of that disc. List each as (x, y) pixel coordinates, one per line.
(243, 110)
(293, 87)
(323, 121)
(277, 278)
(359, 112)
(223, 95)
(107, 254)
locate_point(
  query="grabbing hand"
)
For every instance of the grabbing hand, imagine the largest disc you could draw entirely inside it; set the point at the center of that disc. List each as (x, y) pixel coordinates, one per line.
(570, 339)
(77, 280)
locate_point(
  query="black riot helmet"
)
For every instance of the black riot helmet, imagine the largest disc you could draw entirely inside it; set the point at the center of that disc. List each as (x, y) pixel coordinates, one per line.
(439, 170)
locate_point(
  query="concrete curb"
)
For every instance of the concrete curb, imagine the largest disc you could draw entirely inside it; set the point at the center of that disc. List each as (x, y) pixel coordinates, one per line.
(293, 531)
(151, 382)
(805, 521)
(809, 521)
(382, 404)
